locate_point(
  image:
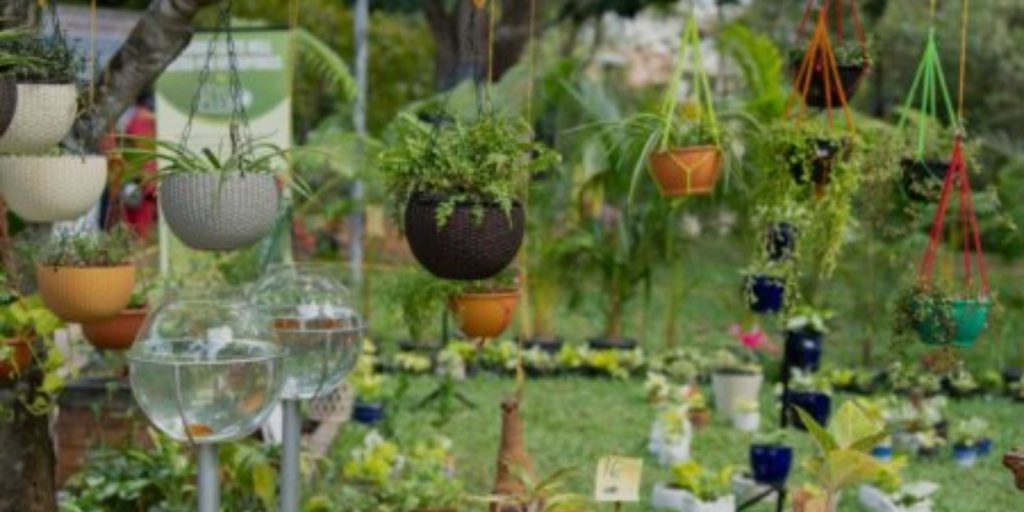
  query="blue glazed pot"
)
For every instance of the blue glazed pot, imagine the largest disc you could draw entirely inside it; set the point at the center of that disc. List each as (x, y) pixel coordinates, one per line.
(770, 464)
(965, 455)
(766, 294)
(882, 452)
(367, 413)
(780, 241)
(984, 447)
(803, 349)
(815, 403)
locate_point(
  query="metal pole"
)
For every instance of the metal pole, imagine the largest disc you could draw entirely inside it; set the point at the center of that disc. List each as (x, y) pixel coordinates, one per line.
(362, 22)
(290, 441)
(209, 478)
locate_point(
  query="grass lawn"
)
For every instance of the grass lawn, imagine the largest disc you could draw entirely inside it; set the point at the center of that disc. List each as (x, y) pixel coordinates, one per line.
(571, 422)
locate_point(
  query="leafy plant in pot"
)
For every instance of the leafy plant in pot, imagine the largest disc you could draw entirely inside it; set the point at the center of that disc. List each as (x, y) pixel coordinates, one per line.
(214, 201)
(457, 185)
(118, 332)
(771, 458)
(967, 438)
(38, 95)
(939, 317)
(736, 378)
(484, 309)
(924, 168)
(809, 393)
(766, 285)
(852, 57)
(85, 277)
(22, 320)
(695, 488)
(805, 330)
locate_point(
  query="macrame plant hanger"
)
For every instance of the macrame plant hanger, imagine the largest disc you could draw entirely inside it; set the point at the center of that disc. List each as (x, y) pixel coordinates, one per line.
(819, 62)
(957, 183)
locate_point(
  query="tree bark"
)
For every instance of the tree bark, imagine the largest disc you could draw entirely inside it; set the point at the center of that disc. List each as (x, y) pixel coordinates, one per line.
(160, 36)
(461, 37)
(27, 478)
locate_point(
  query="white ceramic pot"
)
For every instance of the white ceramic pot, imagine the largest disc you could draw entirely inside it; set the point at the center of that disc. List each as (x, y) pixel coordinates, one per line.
(219, 212)
(674, 452)
(731, 389)
(668, 498)
(874, 499)
(43, 116)
(52, 188)
(749, 421)
(657, 437)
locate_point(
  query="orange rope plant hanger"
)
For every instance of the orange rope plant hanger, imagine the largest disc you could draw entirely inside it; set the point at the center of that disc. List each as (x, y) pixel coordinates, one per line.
(825, 80)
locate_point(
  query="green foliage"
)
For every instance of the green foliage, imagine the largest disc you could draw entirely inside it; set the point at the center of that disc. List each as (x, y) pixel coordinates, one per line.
(176, 158)
(322, 61)
(420, 298)
(88, 249)
(704, 483)
(32, 59)
(922, 304)
(761, 64)
(484, 161)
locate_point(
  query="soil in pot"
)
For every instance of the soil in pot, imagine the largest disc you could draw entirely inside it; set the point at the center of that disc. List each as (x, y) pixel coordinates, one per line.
(85, 294)
(770, 463)
(600, 343)
(686, 171)
(921, 180)
(817, 404)
(765, 294)
(484, 315)
(20, 358)
(849, 77)
(780, 241)
(803, 349)
(467, 247)
(117, 332)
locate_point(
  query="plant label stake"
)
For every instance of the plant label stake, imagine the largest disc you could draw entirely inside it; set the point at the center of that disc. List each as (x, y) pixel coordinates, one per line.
(618, 480)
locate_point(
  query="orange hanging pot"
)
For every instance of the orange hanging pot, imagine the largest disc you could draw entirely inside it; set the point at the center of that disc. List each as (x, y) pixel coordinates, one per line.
(484, 314)
(686, 171)
(20, 357)
(117, 332)
(85, 294)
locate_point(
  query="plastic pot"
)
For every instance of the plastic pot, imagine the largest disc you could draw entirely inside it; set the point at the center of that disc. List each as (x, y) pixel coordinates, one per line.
(117, 332)
(921, 180)
(552, 345)
(815, 403)
(42, 116)
(766, 294)
(825, 153)
(882, 452)
(803, 349)
(849, 78)
(770, 463)
(733, 388)
(467, 247)
(484, 315)
(367, 413)
(970, 317)
(984, 447)
(612, 343)
(686, 171)
(700, 417)
(219, 211)
(747, 421)
(780, 241)
(52, 188)
(20, 358)
(85, 294)
(965, 455)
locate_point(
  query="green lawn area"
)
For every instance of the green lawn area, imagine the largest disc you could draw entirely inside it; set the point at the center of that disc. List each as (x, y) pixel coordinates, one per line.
(571, 422)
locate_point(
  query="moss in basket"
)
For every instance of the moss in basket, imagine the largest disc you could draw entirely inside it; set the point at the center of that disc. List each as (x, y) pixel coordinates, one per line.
(33, 59)
(487, 160)
(88, 249)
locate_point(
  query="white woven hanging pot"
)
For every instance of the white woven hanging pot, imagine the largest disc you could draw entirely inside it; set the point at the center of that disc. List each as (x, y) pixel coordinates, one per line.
(217, 211)
(42, 117)
(52, 188)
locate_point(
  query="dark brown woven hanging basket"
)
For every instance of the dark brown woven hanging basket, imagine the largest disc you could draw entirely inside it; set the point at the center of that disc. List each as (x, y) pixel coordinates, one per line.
(467, 247)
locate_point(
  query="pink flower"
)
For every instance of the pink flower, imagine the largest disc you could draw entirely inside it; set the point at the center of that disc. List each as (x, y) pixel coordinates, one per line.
(752, 339)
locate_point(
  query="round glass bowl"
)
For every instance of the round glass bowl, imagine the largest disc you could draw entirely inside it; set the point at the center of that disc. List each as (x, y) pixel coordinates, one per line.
(313, 316)
(206, 371)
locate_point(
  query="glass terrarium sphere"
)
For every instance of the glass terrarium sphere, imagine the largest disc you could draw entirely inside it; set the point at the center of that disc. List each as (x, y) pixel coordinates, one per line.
(206, 371)
(314, 317)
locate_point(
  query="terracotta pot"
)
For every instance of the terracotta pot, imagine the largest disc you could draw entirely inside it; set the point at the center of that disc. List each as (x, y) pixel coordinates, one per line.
(700, 418)
(117, 332)
(20, 359)
(484, 315)
(85, 294)
(686, 171)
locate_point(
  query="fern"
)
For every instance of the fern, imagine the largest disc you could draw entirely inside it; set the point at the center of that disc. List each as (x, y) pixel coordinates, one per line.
(325, 63)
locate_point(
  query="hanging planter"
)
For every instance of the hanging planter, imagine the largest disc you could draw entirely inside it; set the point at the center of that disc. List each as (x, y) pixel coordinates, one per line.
(766, 294)
(827, 75)
(921, 180)
(475, 242)
(686, 171)
(959, 321)
(817, 95)
(484, 314)
(52, 188)
(813, 159)
(117, 332)
(780, 241)
(38, 96)
(212, 211)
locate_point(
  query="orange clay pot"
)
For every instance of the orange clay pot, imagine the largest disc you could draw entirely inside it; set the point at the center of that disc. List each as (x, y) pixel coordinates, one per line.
(85, 294)
(117, 332)
(20, 359)
(700, 418)
(686, 171)
(484, 315)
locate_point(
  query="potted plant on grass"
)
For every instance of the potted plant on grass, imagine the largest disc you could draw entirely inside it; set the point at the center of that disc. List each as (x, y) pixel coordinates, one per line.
(484, 309)
(371, 393)
(809, 393)
(694, 488)
(771, 458)
(805, 330)
(747, 416)
(967, 438)
(889, 493)
(734, 380)
(456, 186)
(671, 435)
(38, 95)
(84, 277)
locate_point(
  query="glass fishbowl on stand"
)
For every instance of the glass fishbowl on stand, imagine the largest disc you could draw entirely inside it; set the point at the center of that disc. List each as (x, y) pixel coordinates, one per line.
(206, 372)
(313, 317)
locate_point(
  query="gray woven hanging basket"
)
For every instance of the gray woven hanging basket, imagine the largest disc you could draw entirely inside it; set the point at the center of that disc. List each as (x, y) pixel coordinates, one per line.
(214, 212)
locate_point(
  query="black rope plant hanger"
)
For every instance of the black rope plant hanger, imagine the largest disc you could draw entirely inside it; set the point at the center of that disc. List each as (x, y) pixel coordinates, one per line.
(212, 201)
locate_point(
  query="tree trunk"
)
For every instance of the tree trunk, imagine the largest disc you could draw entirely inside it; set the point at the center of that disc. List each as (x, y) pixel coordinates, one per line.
(461, 37)
(27, 477)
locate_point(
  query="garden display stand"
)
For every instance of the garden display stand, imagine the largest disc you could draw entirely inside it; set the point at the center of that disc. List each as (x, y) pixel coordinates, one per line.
(821, 79)
(447, 384)
(683, 171)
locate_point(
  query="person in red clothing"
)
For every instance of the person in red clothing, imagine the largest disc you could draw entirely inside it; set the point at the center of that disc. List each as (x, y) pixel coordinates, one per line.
(138, 197)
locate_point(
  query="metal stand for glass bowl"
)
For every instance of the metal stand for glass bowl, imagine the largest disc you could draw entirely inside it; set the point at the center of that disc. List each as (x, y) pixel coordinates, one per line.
(209, 477)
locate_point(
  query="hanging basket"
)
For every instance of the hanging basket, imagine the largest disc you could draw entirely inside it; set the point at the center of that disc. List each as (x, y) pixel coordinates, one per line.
(40, 115)
(817, 94)
(922, 179)
(686, 171)
(85, 294)
(20, 358)
(117, 332)
(484, 315)
(219, 212)
(969, 318)
(765, 294)
(825, 152)
(468, 247)
(52, 188)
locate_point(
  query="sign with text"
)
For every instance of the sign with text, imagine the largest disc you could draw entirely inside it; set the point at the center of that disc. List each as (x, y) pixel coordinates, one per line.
(618, 479)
